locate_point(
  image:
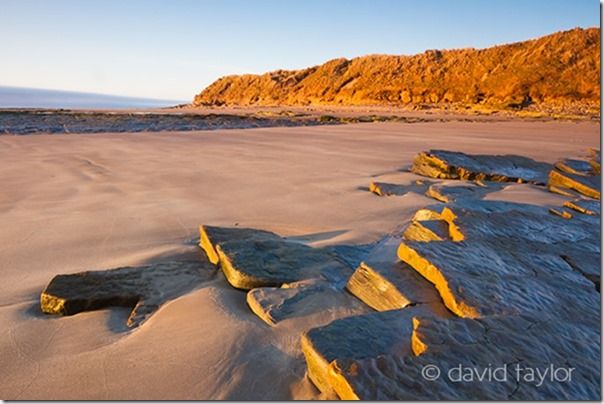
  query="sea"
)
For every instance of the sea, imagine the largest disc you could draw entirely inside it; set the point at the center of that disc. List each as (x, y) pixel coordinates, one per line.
(19, 97)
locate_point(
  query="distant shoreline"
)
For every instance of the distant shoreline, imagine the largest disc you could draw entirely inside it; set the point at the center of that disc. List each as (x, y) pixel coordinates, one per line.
(30, 121)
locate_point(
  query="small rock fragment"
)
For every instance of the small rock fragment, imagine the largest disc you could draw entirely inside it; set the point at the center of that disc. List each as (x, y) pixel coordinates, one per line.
(561, 212)
(583, 206)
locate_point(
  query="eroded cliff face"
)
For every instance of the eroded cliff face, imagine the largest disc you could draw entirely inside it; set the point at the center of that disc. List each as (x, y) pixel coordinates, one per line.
(556, 71)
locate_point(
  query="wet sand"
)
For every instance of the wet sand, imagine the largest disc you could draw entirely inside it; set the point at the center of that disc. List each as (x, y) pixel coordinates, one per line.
(81, 202)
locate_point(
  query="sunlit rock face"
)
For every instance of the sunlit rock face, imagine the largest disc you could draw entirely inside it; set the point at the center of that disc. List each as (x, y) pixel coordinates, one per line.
(508, 252)
(573, 177)
(519, 284)
(383, 282)
(144, 288)
(359, 337)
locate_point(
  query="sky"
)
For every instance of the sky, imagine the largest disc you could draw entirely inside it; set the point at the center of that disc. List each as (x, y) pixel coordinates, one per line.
(173, 49)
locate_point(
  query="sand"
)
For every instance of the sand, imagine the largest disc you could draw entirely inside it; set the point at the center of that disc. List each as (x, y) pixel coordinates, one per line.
(80, 202)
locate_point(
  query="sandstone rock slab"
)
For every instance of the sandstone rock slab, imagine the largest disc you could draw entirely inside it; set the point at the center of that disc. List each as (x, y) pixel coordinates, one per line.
(585, 206)
(383, 282)
(450, 193)
(300, 299)
(497, 168)
(251, 264)
(595, 160)
(586, 185)
(508, 251)
(387, 189)
(211, 236)
(358, 337)
(506, 350)
(252, 258)
(477, 280)
(574, 166)
(144, 288)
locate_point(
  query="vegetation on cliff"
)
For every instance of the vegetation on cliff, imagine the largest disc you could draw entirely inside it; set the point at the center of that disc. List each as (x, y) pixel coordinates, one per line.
(557, 72)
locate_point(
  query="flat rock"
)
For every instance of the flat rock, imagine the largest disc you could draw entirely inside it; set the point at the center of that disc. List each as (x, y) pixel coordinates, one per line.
(595, 160)
(387, 189)
(585, 206)
(507, 250)
(516, 222)
(563, 213)
(450, 193)
(520, 300)
(522, 282)
(478, 279)
(211, 236)
(144, 288)
(351, 255)
(358, 337)
(427, 230)
(507, 350)
(497, 168)
(433, 224)
(303, 298)
(573, 166)
(251, 264)
(586, 185)
(383, 282)
(254, 258)
(588, 265)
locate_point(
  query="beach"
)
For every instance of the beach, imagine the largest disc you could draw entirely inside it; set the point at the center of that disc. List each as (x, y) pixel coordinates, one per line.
(76, 202)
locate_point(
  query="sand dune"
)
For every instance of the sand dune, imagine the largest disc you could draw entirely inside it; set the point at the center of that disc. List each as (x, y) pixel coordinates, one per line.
(80, 202)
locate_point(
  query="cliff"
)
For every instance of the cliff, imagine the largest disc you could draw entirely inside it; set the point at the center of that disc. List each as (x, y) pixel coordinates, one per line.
(554, 71)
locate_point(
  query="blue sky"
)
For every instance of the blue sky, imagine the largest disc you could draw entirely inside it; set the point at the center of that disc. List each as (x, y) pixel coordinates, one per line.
(172, 49)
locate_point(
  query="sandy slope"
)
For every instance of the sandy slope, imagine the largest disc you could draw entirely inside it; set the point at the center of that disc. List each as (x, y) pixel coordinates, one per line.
(76, 202)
